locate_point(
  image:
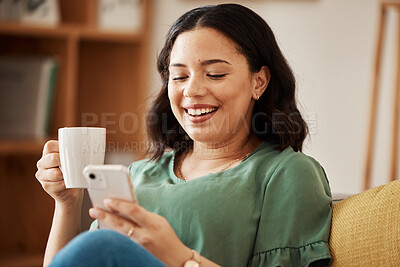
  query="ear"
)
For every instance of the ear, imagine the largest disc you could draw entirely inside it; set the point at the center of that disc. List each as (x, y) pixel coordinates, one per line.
(261, 79)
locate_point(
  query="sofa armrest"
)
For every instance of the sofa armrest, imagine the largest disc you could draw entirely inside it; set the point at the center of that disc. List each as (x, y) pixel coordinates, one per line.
(366, 228)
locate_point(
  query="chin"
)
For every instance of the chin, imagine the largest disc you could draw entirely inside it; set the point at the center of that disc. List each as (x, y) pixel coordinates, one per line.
(201, 136)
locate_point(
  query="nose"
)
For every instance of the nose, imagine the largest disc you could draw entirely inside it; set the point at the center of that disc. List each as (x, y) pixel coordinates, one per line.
(194, 87)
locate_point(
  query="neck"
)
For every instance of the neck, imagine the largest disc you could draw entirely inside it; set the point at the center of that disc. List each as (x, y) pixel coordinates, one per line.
(211, 157)
(222, 151)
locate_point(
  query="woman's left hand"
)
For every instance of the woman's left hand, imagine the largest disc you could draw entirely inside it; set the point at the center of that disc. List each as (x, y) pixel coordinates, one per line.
(151, 230)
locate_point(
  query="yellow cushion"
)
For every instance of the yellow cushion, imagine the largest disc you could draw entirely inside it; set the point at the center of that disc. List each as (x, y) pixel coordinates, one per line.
(366, 228)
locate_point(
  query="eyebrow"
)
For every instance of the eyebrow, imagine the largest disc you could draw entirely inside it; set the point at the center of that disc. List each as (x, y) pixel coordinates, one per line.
(203, 63)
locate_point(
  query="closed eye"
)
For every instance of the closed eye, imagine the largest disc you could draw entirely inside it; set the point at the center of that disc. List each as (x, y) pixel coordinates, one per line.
(179, 78)
(216, 76)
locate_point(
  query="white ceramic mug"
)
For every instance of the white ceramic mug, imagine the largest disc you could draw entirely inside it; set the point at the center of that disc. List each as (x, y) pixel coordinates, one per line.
(80, 146)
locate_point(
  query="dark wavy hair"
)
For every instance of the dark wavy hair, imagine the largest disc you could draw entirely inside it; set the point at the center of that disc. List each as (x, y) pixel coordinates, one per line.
(276, 117)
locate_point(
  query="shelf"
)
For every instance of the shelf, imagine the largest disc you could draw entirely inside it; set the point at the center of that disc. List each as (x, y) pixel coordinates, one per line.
(69, 31)
(14, 28)
(107, 35)
(9, 147)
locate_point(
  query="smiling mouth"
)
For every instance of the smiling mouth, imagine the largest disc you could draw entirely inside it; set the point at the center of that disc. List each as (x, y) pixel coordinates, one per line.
(200, 111)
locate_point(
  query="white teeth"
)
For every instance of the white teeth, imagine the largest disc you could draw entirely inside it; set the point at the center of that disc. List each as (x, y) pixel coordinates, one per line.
(201, 111)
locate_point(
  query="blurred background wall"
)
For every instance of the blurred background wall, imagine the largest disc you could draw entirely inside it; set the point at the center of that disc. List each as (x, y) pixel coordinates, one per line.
(330, 44)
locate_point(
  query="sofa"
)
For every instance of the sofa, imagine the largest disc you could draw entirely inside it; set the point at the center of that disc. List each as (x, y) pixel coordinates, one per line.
(366, 228)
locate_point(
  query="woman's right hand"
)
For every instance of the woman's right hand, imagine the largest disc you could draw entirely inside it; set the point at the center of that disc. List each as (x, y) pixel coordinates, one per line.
(51, 178)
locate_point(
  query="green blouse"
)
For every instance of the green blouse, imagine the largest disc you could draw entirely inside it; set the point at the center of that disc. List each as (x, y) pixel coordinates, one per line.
(273, 209)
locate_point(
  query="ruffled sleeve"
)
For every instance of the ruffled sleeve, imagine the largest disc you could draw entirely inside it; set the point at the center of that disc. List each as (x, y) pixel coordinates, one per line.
(296, 216)
(315, 254)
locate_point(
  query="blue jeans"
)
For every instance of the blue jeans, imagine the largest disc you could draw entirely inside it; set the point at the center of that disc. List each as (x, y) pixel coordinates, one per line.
(104, 248)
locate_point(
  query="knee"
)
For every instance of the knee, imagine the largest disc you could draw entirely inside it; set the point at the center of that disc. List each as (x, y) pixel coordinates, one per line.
(104, 248)
(101, 239)
(99, 246)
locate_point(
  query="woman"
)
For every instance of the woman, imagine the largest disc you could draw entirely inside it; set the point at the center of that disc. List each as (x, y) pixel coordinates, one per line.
(235, 189)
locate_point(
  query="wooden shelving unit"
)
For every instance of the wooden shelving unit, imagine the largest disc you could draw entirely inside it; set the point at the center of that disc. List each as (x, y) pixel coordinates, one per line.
(102, 81)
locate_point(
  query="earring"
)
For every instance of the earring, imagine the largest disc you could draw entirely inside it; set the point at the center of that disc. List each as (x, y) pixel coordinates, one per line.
(257, 97)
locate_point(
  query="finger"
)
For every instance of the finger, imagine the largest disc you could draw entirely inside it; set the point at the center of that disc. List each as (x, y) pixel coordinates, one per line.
(53, 186)
(49, 175)
(114, 221)
(50, 147)
(50, 160)
(130, 210)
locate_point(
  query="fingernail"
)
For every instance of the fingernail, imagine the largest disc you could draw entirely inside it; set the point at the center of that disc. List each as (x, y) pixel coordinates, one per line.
(93, 212)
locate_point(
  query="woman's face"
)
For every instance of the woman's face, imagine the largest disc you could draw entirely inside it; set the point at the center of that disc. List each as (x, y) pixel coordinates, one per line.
(210, 87)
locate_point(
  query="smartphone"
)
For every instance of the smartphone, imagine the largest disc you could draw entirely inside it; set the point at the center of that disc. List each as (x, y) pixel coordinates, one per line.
(108, 181)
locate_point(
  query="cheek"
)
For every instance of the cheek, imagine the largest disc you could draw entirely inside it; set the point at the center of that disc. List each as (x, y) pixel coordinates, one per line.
(240, 94)
(238, 102)
(174, 99)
